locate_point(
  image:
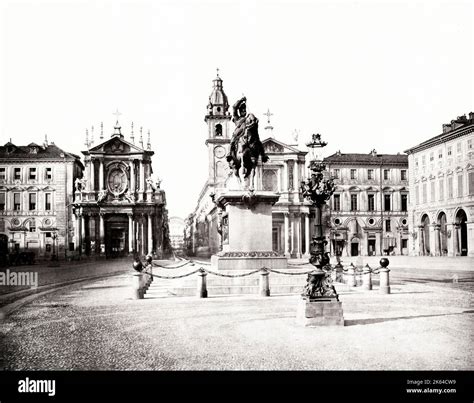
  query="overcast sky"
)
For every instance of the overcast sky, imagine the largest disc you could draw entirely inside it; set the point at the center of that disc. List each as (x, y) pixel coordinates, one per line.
(364, 74)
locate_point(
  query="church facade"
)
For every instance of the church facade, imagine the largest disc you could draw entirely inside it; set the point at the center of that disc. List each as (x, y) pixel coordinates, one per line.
(283, 174)
(119, 208)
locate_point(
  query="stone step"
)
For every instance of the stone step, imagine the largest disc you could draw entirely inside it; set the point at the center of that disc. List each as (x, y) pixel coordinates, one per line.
(222, 290)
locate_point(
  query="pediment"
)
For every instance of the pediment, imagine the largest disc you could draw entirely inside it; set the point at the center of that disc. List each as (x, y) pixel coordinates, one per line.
(274, 146)
(116, 145)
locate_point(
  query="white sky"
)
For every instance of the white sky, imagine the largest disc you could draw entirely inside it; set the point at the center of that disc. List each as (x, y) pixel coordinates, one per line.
(364, 74)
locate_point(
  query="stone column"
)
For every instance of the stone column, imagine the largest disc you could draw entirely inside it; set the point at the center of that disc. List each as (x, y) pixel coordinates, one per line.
(87, 174)
(285, 177)
(457, 240)
(296, 177)
(150, 234)
(470, 238)
(431, 228)
(421, 240)
(77, 235)
(142, 181)
(132, 178)
(292, 237)
(92, 179)
(286, 234)
(299, 236)
(142, 236)
(83, 231)
(101, 233)
(101, 175)
(437, 240)
(306, 229)
(450, 229)
(130, 233)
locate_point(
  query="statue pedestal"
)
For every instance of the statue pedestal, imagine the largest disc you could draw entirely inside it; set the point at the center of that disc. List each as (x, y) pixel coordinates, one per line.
(247, 232)
(320, 312)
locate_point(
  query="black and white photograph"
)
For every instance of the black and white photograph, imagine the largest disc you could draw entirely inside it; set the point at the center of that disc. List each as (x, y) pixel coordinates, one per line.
(274, 191)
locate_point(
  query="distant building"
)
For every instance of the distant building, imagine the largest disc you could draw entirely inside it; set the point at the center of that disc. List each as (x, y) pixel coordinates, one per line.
(36, 192)
(368, 212)
(177, 225)
(441, 212)
(119, 207)
(282, 173)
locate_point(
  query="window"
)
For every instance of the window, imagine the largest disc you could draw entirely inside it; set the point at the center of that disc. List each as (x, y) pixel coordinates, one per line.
(460, 186)
(403, 174)
(432, 191)
(16, 201)
(337, 202)
(471, 183)
(404, 202)
(386, 202)
(441, 189)
(459, 148)
(423, 160)
(47, 201)
(370, 174)
(32, 175)
(353, 202)
(218, 130)
(32, 201)
(440, 153)
(3, 174)
(450, 150)
(388, 227)
(32, 226)
(353, 173)
(417, 194)
(386, 174)
(48, 173)
(469, 144)
(450, 187)
(335, 173)
(425, 191)
(2, 201)
(371, 202)
(432, 156)
(416, 162)
(17, 173)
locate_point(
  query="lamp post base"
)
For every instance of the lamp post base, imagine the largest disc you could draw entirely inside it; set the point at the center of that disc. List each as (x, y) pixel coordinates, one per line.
(320, 312)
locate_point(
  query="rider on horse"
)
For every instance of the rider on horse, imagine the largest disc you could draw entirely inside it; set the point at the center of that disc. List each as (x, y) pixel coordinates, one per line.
(244, 124)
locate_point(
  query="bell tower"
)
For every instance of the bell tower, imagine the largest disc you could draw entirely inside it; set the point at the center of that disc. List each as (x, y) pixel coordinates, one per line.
(218, 138)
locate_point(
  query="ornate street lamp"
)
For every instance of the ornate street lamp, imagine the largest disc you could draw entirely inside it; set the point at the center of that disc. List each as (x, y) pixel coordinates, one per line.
(318, 189)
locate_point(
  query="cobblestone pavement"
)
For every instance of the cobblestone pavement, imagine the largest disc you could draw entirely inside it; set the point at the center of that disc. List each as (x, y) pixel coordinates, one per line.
(420, 326)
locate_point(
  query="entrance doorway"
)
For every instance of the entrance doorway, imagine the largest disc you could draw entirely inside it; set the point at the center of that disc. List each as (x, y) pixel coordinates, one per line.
(425, 236)
(355, 247)
(371, 247)
(116, 236)
(443, 234)
(461, 220)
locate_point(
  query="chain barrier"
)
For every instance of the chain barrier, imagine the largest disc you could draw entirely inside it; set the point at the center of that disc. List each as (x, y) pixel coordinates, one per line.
(199, 262)
(298, 264)
(235, 275)
(170, 267)
(290, 273)
(172, 277)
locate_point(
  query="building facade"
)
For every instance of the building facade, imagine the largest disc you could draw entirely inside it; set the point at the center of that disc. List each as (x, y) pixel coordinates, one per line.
(441, 211)
(282, 173)
(36, 192)
(119, 208)
(176, 225)
(368, 212)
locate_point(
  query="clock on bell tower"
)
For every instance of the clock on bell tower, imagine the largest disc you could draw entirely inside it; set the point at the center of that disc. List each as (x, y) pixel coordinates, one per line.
(218, 139)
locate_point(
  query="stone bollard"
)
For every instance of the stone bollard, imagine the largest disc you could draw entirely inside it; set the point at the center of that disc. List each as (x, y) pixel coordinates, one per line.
(367, 277)
(202, 287)
(264, 283)
(137, 292)
(384, 276)
(137, 280)
(351, 277)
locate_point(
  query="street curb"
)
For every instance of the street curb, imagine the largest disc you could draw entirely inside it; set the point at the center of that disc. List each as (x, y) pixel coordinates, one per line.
(50, 288)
